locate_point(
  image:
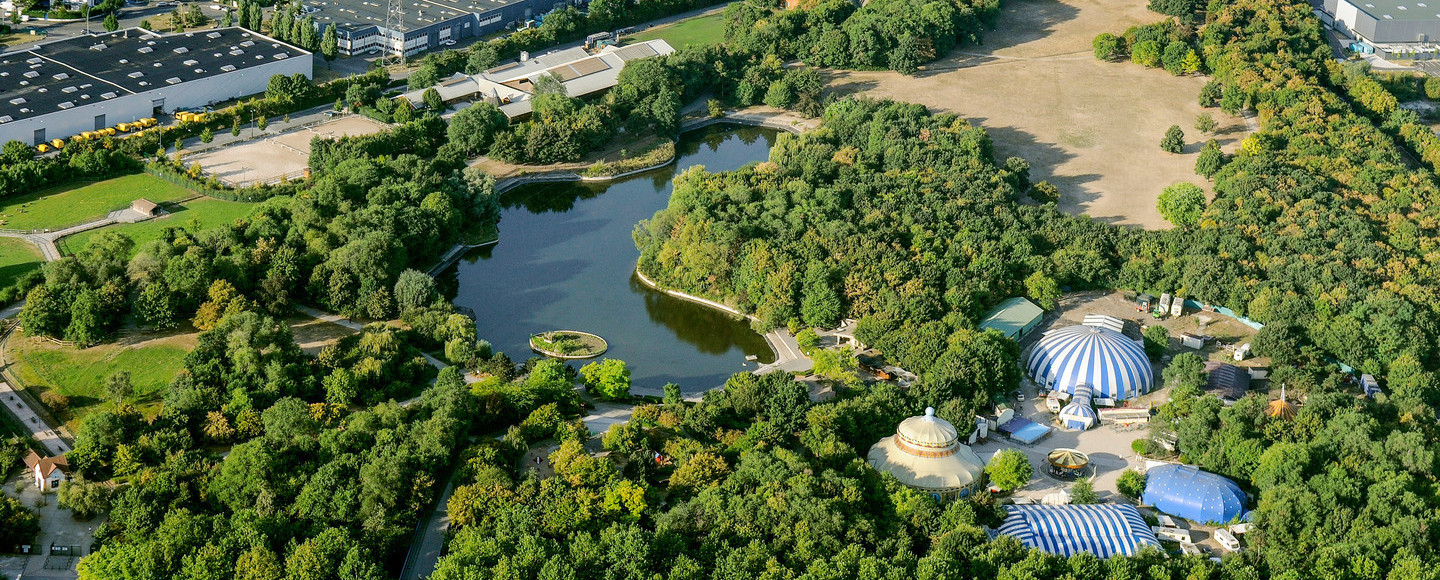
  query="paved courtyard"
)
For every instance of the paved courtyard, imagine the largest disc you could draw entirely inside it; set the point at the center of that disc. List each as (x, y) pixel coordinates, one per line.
(57, 528)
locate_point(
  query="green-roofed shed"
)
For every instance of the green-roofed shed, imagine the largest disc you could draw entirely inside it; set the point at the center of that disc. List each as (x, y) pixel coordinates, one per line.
(1015, 317)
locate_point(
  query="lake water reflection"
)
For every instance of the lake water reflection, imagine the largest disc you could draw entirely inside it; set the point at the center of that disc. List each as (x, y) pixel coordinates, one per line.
(566, 260)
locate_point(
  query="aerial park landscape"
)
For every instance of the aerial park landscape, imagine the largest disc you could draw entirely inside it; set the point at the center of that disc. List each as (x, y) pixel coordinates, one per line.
(684, 289)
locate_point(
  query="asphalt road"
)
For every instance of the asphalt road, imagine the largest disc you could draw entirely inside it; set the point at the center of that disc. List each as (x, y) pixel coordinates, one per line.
(130, 16)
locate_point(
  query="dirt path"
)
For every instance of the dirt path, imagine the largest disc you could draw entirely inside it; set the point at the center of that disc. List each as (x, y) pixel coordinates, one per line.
(1091, 128)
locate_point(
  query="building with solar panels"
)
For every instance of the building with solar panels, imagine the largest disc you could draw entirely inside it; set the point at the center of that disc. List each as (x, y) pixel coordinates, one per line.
(426, 24)
(510, 86)
(1387, 21)
(54, 90)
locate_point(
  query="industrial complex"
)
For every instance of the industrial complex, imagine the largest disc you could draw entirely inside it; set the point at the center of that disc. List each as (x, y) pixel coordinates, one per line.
(1398, 28)
(365, 27)
(88, 83)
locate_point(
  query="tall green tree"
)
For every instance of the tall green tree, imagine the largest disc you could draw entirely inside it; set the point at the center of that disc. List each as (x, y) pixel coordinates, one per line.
(330, 43)
(608, 379)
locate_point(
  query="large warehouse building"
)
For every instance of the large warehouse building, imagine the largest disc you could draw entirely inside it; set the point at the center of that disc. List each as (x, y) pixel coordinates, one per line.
(361, 26)
(1386, 21)
(58, 89)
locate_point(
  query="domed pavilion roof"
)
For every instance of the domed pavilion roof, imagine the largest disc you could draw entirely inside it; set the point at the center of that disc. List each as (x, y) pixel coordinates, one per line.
(926, 453)
(1113, 364)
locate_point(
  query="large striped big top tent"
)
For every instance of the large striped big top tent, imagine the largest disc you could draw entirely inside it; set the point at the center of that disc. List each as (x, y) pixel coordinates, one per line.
(1104, 530)
(1112, 364)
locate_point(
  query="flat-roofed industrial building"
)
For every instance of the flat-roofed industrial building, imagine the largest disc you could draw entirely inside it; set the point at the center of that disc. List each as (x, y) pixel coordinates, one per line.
(1386, 21)
(427, 24)
(58, 89)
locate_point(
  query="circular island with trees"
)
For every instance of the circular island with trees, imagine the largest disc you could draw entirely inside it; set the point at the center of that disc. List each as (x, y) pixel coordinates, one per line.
(568, 344)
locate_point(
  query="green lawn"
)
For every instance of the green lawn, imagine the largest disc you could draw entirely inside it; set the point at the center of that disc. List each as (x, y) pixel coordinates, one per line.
(205, 211)
(80, 374)
(74, 204)
(16, 258)
(708, 29)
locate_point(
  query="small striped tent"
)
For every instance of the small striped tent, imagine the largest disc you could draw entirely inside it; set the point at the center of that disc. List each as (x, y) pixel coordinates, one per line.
(1115, 366)
(1104, 530)
(1078, 416)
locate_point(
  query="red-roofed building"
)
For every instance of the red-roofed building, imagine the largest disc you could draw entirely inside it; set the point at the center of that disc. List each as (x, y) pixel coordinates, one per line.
(48, 472)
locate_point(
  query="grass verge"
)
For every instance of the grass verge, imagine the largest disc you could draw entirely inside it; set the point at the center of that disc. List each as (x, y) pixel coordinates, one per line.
(17, 257)
(73, 204)
(80, 374)
(193, 215)
(708, 29)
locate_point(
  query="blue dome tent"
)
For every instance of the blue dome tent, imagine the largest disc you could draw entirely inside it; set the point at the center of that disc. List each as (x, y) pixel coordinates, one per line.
(1113, 364)
(1198, 496)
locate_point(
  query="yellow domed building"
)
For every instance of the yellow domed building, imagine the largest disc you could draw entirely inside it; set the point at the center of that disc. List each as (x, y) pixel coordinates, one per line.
(926, 454)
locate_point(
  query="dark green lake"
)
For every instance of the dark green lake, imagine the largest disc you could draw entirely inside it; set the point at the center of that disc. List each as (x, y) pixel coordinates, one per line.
(566, 260)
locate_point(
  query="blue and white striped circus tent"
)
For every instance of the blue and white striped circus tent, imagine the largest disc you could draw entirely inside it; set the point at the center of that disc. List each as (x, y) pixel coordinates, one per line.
(1078, 414)
(1104, 530)
(1115, 366)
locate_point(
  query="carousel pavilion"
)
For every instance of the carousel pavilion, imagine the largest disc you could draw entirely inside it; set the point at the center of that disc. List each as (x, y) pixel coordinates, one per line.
(926, 453)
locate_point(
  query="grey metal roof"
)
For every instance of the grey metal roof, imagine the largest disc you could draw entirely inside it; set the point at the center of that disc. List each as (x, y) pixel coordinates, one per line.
(1399, 10)
(55, 76)
(355, 15)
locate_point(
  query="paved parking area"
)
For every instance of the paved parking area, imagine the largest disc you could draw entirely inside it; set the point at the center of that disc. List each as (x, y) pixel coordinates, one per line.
(47, 436)
(57, 528)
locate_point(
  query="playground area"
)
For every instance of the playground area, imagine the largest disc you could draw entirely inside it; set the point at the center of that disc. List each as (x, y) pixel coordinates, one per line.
(272, 158)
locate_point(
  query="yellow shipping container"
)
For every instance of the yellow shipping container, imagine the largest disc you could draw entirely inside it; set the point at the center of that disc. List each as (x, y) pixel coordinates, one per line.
(57, 143)
(42, 147)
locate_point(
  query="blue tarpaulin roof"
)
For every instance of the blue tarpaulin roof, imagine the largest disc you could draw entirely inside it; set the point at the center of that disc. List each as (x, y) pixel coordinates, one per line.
(1104, 530)
(1024, 430)
(1199, 496)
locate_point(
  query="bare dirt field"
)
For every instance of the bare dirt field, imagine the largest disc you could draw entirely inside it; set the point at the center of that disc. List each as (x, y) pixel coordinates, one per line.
(287, 154)
(1091, 128)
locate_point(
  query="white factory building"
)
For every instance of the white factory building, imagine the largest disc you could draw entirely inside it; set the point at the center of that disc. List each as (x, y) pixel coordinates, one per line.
(54, 90)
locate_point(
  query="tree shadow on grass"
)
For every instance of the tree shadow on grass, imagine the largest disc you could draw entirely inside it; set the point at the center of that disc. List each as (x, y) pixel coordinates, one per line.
(13, 272)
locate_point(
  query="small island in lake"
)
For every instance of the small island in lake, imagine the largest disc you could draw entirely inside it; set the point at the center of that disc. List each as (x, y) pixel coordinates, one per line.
(568, 344)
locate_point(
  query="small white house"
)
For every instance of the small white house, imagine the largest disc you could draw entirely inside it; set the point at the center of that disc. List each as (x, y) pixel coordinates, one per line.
(48, 472)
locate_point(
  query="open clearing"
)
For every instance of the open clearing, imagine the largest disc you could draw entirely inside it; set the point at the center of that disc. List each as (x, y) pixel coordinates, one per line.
(153, 360)
(707, 29)
(72, 204)
(17, 257)
(193, 215)
(1091, 128)
(286, 154)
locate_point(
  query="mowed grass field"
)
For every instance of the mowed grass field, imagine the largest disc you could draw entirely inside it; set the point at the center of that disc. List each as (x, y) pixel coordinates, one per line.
(1090, 128)
(193, 215)
(80, 373)
(706, 29)
(16, 258)
(70, 205)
